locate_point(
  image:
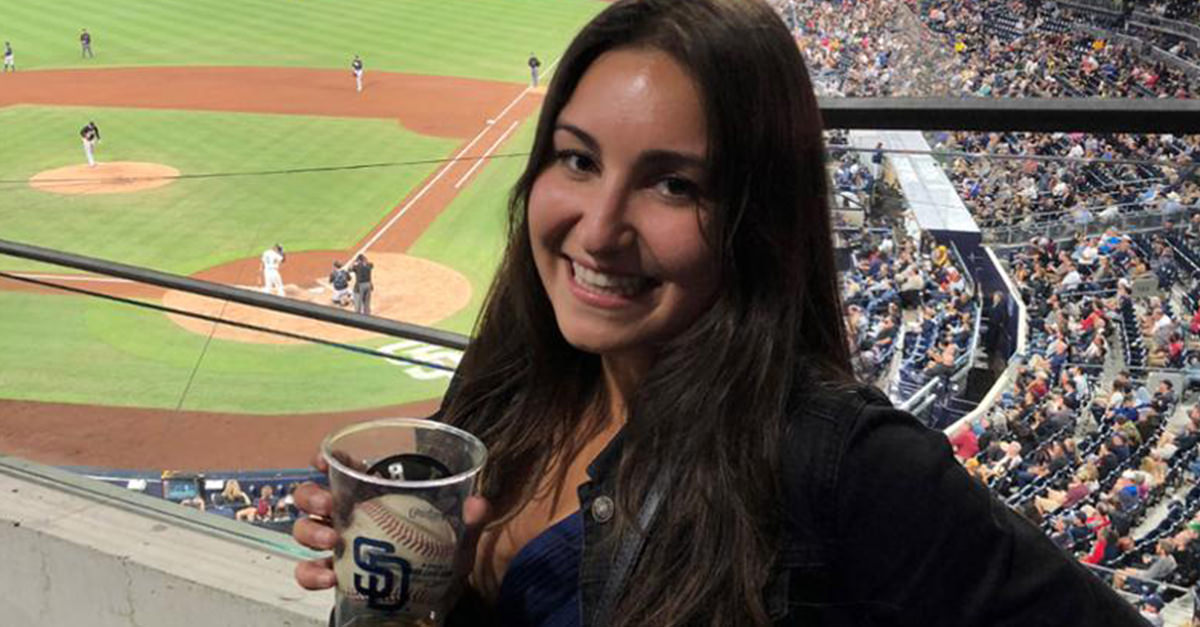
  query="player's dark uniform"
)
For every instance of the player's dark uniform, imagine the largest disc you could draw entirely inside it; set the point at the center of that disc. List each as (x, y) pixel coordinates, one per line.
(362, 285)
(534, 66)
(90, 134)
(85, 44)
(340, 280)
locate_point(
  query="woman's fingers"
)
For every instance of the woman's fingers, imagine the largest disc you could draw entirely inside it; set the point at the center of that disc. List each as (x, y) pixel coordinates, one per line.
(313, 500)
(320, 464)
(476, 515)
(316, 574)
(314, 534)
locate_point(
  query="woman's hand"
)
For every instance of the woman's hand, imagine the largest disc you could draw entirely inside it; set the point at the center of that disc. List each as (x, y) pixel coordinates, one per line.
(316, 532)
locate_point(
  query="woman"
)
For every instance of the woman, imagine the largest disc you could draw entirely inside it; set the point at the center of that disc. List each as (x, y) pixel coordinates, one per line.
(260, 511)
(232, 496)
(662, 352)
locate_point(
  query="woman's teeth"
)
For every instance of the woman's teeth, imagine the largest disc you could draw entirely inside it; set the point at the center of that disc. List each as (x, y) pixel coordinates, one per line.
(601, 282)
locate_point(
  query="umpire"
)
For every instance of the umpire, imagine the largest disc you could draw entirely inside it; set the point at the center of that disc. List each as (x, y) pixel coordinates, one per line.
(362, 284)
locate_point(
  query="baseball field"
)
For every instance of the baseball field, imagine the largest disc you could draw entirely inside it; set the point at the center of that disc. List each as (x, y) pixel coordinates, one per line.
(227, 127)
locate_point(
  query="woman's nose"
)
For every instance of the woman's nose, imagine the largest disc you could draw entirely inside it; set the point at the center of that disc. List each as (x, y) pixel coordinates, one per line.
(604, 227)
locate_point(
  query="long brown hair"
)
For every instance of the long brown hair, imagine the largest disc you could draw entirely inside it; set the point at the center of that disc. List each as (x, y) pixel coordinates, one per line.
(713, 406)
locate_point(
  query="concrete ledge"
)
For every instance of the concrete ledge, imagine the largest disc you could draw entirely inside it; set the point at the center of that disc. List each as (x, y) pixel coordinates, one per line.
(76, 552)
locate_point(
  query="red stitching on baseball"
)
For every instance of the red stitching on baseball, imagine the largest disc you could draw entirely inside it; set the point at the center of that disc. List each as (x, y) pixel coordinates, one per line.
(420, 542)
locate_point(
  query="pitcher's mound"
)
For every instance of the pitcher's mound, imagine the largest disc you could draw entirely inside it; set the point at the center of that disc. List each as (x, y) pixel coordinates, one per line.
(407, 288)
(117, 177)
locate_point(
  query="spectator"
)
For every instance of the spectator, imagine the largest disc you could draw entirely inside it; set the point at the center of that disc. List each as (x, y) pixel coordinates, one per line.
(231, 496)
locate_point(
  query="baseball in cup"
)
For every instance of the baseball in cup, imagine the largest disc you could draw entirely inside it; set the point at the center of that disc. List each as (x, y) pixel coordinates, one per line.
(398, 487)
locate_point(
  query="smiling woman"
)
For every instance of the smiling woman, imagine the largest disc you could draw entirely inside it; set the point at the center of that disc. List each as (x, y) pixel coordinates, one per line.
(614, 221)
(662, 382)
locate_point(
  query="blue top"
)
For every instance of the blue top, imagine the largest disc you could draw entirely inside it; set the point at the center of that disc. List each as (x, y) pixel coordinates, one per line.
(541, 586)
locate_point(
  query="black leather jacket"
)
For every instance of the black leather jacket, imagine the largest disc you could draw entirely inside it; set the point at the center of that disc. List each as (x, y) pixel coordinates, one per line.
(885, 528)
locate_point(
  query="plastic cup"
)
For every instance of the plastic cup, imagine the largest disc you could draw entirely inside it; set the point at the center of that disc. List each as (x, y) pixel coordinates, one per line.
(398, 487)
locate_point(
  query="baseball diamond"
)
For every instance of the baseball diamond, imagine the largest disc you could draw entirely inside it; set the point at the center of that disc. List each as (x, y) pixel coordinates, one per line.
(217, 145)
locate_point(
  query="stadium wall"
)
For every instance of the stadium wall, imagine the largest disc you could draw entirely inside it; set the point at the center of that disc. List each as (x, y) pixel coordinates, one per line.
(82, 554)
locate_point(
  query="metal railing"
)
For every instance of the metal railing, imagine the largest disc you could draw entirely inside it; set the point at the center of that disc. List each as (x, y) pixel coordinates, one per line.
(221, 291)
(1087, 115)
(1065, 229)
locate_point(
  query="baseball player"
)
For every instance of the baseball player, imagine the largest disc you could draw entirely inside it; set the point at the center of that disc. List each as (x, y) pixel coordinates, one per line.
(90, 134)
(85, 43)
(362, 284)
(534, 66)
(9, 64)
(340, 280)
(357, 66)
(272, 258)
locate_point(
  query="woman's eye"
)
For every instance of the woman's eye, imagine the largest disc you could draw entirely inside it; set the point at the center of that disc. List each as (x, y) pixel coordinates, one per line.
(576, 162)
(678, 188)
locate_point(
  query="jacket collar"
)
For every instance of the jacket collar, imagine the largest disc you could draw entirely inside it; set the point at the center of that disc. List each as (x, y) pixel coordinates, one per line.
(604, 462)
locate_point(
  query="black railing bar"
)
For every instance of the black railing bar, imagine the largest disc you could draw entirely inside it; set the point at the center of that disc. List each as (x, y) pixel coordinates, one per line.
(234, 323)
(308, 170)
(190, 285)
(1160, 584)
(981, 156)
(1151, 369)
(1086, 115)
(1057, 215)
(1158, 370)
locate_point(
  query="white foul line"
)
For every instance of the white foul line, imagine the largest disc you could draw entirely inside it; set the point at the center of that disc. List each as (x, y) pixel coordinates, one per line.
(446, 168)
(487, 154)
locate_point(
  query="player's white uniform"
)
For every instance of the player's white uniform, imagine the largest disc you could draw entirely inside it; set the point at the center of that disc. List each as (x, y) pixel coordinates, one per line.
(90, 135)
(9, 63)
(272, 281)
(357, 66)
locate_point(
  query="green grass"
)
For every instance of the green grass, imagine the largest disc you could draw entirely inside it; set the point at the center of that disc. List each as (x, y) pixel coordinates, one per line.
(195, 224)
(488, 39)
(87, 350)
(84, 350)
(469, 234)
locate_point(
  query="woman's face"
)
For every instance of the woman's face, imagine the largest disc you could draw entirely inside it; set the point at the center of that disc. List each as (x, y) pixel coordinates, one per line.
(615, 220)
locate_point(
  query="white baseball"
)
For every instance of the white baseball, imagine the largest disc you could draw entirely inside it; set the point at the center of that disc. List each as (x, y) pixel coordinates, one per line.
(422, 536)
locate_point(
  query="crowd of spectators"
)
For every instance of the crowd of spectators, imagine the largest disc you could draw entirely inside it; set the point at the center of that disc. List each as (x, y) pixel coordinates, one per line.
(1086, 463)
(863, 48)
(980, 48)
(1171, 9)
(888, 279)
(1071, 177)
(1182, 47)
(854, 178)
(1008, 50)
(1086, 460)
(264, 503)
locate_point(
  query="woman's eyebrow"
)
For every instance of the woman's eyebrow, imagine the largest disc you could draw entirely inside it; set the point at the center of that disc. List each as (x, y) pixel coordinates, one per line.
(671, 160)
(657, 158)
(580, 134)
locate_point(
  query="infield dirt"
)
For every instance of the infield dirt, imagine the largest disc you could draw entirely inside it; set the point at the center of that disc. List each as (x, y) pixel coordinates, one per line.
(117, 177)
